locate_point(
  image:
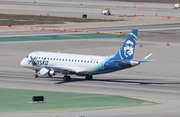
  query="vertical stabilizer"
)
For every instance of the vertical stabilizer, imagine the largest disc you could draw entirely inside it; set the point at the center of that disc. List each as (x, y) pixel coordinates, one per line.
(126, 52)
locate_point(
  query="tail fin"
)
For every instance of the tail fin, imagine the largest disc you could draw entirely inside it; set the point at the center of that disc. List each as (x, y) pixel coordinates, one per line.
(126, 52)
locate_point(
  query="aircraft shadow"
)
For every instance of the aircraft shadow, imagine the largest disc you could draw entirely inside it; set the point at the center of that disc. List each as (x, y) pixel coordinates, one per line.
(125, 81)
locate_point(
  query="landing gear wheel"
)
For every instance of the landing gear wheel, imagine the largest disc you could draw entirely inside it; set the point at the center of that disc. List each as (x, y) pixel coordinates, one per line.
(50, 76)
(66, 78)
(35, 75)
(89, 77)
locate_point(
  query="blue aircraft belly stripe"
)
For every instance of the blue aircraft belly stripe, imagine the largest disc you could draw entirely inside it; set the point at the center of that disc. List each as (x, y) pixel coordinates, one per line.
(98, 67)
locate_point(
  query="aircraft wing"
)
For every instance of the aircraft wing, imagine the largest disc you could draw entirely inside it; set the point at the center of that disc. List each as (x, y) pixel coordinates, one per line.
(70, 69)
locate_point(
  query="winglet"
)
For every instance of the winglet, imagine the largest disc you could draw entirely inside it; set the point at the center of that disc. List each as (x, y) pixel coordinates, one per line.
(33, 62)
(145, 59)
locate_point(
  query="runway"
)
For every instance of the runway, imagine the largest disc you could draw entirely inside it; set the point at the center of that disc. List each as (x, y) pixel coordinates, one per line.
(156, 82)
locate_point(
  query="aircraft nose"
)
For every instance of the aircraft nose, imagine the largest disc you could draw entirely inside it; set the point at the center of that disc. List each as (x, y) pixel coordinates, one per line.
(22, 63)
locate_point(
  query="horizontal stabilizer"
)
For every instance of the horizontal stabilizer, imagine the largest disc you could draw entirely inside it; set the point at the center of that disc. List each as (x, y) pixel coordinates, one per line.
(120, 62)
(145, 59)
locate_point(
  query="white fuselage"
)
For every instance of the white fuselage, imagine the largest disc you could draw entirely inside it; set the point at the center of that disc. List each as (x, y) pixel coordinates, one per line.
(51, 59)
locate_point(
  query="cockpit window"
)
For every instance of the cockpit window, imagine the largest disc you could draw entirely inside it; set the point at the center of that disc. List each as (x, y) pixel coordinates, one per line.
(27, 56)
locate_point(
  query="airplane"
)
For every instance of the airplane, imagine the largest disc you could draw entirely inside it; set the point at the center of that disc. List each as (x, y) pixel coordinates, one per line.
(50, 63)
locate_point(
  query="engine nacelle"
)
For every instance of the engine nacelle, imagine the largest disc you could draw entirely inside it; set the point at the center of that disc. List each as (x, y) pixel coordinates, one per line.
(47, 72)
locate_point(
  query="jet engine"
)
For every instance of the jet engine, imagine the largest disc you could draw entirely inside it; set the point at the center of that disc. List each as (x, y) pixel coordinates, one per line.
(47, 72)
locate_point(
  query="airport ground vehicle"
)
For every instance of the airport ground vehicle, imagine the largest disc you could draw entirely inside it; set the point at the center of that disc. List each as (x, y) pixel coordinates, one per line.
(177, 6)
(106, 11)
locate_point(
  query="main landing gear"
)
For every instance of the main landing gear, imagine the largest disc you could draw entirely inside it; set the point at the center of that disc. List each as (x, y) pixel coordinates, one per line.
(66, 78)
(88, 77)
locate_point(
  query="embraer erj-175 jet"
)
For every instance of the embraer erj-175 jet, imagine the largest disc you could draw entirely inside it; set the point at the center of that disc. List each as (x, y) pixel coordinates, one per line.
(51, 63)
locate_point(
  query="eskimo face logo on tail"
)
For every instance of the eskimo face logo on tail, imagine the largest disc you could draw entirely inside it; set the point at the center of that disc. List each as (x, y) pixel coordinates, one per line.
(128, 48)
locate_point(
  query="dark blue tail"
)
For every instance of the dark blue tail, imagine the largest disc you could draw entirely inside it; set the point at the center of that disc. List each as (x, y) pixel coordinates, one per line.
(126, 52)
